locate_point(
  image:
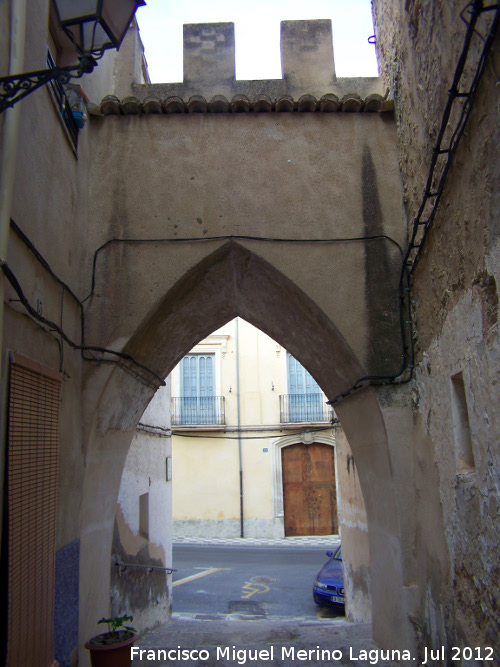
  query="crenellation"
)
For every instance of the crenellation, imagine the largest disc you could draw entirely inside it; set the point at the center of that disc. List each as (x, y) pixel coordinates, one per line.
(307, 63)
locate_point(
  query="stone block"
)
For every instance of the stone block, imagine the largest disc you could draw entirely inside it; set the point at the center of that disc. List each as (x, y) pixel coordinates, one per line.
(209, 52)
(307, 52)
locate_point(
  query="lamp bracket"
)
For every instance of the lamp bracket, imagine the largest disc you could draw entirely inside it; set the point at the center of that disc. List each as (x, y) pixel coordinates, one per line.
(16, 86)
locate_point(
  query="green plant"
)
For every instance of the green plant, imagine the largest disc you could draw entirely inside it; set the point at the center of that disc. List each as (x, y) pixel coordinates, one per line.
(117, 630)
(117, 622)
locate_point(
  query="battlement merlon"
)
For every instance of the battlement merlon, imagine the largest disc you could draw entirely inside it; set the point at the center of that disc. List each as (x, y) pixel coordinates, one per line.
(307, 53)
(307, 65)
(209, 53)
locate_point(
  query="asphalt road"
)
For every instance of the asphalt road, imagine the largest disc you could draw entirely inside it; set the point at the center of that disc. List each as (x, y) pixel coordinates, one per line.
(257, 581)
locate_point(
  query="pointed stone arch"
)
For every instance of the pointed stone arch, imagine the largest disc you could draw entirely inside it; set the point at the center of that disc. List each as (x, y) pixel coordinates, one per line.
(230, 282)
(233, 281)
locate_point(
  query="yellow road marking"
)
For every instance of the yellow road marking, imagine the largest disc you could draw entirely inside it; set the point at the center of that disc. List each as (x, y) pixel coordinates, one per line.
(322, 612)
(199, 575)
(253, 588)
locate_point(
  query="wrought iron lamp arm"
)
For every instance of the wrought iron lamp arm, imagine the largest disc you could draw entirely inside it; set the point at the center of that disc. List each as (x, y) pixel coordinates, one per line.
(13, 88)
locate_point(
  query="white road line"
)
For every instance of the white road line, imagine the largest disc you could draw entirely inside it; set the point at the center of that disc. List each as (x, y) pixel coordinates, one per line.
(198, 576)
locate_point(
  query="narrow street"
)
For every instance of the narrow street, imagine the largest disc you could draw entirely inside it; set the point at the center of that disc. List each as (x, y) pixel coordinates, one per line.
(239, 602)
(256, 581)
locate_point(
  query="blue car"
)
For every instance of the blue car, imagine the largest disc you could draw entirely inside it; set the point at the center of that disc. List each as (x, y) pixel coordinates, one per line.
(328, 589)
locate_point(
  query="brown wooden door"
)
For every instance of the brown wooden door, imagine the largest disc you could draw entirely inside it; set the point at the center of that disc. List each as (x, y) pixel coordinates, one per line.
(309, 495)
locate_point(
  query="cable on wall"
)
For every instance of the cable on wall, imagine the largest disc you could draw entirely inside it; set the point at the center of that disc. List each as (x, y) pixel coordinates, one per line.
(404, 321)
(225, 435)
(130, 241)
(229, 237)
(122, 356)
(444, 150)
(440, 164)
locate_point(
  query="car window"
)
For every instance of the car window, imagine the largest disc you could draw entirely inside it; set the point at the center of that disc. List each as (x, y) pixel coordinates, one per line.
(338, 554)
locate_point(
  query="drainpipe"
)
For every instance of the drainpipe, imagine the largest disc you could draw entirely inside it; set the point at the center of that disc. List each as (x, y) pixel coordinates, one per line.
(240, 458)
(8, 148)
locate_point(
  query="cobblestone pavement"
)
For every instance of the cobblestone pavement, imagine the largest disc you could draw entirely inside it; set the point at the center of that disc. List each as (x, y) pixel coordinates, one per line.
(227, 641)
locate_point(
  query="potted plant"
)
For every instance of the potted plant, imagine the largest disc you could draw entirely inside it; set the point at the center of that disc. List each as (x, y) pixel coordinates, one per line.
(112, 648)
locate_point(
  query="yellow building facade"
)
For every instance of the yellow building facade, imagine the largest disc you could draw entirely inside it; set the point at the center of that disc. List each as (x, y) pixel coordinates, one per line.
(242, 409)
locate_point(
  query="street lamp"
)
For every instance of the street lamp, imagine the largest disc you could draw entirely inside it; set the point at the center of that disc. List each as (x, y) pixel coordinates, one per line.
(93, 26)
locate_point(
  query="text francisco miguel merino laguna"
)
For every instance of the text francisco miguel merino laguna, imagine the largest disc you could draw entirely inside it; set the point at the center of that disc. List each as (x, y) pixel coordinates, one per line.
(242, 656)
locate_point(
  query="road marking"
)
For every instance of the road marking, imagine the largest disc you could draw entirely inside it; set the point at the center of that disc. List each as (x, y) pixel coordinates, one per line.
(321, 612)
(199, 575)
(253, 588)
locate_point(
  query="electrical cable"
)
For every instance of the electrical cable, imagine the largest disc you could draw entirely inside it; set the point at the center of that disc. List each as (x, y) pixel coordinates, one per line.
(252, 437)
(54, 327)
(431, 191)
(229, 237)
(408, 263)
(85, 348)
(362, 382)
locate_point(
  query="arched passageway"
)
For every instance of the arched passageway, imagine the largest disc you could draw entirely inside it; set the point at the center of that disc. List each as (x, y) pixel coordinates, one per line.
(232, 281)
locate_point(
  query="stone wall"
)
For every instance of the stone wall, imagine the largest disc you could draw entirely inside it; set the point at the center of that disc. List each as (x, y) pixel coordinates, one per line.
(454, 292)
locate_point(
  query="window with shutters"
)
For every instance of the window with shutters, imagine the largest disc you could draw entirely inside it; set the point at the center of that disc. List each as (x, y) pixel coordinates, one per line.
(305, 401)
(30, 504)
(198, 404)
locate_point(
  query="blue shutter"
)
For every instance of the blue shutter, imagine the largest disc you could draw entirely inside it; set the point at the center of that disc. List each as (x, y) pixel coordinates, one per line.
(305, 396)
(198, 389)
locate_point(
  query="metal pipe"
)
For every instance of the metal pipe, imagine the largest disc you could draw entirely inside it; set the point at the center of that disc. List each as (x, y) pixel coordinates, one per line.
(147, 567)
(240, 457)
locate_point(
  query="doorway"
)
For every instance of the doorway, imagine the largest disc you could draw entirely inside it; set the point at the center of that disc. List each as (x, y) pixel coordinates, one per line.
(309, 493)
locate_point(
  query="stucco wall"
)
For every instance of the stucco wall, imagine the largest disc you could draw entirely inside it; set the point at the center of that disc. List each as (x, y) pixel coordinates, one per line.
(337, 180)
(50, 206)
(353, 533)
(143, 524)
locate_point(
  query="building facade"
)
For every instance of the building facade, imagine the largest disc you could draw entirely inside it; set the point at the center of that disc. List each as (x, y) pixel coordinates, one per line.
(353, 221)
(239, 401)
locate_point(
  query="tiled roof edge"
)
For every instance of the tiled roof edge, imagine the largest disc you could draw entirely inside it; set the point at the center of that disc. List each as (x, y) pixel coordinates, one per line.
(111, 105)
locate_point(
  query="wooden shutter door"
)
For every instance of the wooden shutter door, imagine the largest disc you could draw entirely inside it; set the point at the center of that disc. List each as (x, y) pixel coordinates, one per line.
(32, 471)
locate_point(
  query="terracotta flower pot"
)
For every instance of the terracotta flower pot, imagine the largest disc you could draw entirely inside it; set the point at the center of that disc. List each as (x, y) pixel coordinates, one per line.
(116, 654)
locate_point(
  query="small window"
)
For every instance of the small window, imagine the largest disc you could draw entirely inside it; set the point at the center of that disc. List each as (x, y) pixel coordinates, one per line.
(464, 454)
(144, 515)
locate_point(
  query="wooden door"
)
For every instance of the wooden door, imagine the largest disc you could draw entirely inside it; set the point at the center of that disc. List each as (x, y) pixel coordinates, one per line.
(309, 495)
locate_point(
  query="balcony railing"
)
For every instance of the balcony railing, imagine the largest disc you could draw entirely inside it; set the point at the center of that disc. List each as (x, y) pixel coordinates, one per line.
(296, 408)
(198, 411)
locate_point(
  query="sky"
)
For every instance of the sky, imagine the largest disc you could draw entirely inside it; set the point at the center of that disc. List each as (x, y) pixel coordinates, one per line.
(257, 33)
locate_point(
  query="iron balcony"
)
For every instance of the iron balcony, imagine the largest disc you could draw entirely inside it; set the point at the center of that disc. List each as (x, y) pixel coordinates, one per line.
(198, 411)
(295, 408)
